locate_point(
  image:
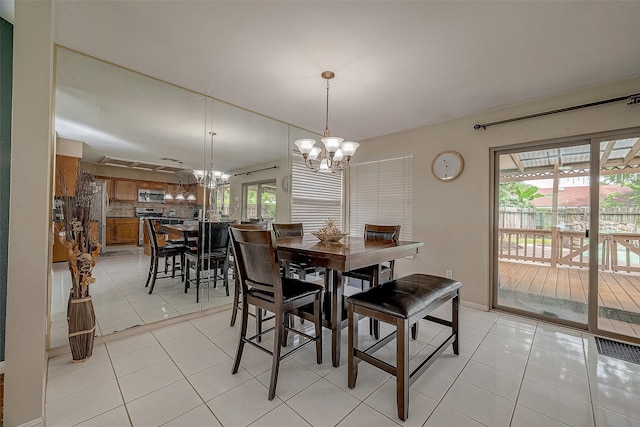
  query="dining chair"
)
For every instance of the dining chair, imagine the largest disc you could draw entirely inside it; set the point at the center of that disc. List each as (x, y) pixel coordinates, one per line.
(264, 287)
(374, 275)
(210, 254)
(236, 287)
(166, 251)
(301, 269)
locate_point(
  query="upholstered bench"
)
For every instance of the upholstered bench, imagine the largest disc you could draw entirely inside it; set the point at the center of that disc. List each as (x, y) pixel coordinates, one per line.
(402, 302)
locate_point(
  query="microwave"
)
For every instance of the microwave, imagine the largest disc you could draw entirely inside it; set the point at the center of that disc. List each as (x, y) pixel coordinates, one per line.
(150, 196)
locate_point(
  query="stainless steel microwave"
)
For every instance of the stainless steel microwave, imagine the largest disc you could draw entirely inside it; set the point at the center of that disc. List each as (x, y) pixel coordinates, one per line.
(150, 196)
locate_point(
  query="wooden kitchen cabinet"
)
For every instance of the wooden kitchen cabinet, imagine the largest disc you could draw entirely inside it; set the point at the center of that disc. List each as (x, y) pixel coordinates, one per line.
(122, 231)
(125, 190)
(152, 185)
(66, 173)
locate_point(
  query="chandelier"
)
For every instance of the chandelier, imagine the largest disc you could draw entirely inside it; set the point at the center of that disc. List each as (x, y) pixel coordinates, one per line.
(337, 152)
(211, 179)
(181, 193)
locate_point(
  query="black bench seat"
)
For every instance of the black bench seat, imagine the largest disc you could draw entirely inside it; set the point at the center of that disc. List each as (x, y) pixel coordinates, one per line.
(402, 302)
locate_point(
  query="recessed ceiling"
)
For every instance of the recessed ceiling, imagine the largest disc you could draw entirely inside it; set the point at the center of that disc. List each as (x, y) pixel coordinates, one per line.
(399, 65)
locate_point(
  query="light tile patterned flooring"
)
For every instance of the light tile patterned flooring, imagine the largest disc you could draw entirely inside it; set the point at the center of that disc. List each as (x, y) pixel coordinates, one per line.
(120, 299)
(511, 371)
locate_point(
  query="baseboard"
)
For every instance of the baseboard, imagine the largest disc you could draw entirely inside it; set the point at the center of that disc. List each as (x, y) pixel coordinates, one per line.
(474, 305)
(2, 367)
(38, 422)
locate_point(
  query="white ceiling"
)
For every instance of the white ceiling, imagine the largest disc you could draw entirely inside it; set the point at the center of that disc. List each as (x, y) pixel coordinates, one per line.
(399, 65)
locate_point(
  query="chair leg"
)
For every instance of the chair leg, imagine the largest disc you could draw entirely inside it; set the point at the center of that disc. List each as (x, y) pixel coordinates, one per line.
(186, 278)
(173, 267)
(243, 334)
(236, 297)
(258, 323)
(275, 364)
(150, 271)
(198, 268)
(225, 274)
(317, 309)
(155, 273)
(352, 343)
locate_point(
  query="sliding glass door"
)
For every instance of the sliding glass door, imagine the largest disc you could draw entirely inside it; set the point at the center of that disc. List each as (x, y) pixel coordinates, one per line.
(618, 305)
(567, 232)
(543, 231)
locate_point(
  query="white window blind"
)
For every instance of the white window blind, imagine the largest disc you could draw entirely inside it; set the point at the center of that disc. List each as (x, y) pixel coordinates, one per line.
(381, 193)
(315, 196)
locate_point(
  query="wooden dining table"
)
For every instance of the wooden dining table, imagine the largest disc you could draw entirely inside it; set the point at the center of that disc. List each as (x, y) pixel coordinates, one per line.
(187, 230)
(338, 258)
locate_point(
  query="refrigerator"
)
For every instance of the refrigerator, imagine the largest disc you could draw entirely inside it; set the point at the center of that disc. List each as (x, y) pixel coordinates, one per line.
(99, 209)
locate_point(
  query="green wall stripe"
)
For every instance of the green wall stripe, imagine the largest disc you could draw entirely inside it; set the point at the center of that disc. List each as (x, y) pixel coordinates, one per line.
(6, 79)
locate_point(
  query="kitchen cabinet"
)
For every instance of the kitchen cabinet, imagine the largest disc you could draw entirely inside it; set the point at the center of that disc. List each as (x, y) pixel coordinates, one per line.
(121, 231)
(60, 253)
(66, 173)
(152, 185)
(125, 190)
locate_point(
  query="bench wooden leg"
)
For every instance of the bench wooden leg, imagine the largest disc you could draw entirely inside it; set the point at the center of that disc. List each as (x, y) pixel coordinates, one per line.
(455, 305)
(402, 373)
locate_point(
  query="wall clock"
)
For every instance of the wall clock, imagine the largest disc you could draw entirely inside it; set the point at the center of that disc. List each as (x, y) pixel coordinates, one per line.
(447, 165)
(285, 184)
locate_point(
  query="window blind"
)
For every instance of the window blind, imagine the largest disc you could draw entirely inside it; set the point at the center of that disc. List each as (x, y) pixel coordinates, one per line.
(315, 196)
(381, 193)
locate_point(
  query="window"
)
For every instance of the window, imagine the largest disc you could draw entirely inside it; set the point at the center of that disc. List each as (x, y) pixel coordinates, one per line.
(223, 194)
(315, 196)
(381, 192)
(259, 200)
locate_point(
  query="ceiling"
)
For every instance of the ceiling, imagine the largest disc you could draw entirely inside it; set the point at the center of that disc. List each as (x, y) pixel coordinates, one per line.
(399, 65)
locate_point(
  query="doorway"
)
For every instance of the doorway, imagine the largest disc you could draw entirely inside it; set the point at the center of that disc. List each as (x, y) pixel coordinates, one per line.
(566, 238)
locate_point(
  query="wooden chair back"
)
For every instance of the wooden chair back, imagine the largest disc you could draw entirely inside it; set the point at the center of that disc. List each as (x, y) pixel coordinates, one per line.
(257, 261)
(288, 230)
(382, 232)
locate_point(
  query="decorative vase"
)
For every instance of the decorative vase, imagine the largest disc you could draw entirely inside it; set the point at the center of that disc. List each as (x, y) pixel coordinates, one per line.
(82, 325)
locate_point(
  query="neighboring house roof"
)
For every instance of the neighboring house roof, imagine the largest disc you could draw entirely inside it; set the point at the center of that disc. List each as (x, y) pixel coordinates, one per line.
(575, 196)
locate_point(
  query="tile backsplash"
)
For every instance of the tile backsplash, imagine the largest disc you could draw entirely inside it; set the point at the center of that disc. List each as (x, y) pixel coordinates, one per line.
(124, 209)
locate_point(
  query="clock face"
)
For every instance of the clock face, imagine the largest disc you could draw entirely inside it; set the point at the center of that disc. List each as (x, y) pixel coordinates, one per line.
(447, 165)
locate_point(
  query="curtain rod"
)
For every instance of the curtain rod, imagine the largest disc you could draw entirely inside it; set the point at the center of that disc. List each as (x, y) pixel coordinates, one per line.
(632, 99)
(257, 170)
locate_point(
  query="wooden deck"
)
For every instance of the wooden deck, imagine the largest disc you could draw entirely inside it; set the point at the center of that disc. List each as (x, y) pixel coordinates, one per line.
(566, 288)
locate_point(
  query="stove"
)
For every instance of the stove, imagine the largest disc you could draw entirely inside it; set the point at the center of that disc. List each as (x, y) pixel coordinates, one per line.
(143, 213)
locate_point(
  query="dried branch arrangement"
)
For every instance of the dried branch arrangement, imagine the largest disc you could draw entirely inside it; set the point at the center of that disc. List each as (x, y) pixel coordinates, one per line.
(75, 233)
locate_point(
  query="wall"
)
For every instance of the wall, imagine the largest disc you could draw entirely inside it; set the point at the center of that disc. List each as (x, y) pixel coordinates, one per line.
(30, 237)
(453, 218)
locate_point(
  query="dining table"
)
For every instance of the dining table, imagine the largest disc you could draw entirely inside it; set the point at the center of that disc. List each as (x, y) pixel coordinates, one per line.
(187, 230)
(337, 258)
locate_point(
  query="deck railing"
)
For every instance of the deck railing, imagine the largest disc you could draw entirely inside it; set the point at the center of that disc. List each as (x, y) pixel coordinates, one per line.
(618, 251)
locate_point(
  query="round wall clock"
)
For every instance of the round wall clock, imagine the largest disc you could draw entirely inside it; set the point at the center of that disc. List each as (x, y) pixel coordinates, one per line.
(285, 184)
(447, 165)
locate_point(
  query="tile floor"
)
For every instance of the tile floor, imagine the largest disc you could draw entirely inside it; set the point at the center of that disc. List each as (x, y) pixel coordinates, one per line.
(120, 299)
(511, 372)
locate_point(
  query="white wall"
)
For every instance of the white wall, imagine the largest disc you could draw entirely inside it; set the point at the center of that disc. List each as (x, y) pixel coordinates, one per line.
(453, 218)
(29, 228)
